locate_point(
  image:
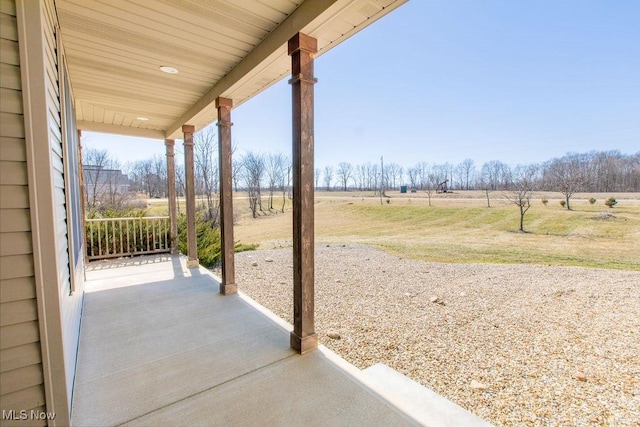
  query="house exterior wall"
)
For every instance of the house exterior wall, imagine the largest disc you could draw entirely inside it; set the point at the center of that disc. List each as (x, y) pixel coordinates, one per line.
(21, 370)
(70, 289)
(42, 265)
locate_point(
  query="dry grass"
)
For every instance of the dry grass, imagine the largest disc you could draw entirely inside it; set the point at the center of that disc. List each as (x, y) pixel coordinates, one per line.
(460, 228)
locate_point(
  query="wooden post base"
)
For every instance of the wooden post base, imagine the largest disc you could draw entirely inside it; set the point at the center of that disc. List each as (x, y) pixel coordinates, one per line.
(193, 263)
(228, 288)
(303, 345)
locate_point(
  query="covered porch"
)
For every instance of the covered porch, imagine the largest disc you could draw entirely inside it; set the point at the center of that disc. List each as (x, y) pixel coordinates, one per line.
(168, 71)
(162, 341)
(160, 345)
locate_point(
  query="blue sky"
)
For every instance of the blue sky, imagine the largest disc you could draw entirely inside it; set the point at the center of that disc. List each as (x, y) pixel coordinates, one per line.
(441, 81)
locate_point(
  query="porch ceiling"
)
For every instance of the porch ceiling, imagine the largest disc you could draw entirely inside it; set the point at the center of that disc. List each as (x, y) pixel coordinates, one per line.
(115, 49)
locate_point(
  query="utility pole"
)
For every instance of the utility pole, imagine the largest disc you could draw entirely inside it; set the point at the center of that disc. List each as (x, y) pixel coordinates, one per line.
(381, 179)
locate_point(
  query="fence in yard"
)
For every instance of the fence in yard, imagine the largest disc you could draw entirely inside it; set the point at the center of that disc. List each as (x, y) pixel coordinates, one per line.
(117, 237)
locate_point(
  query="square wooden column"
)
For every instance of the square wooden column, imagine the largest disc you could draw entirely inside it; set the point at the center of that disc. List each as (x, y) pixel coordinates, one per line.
(192, 247)
(228, 285)
(302, 49)
(171, 192)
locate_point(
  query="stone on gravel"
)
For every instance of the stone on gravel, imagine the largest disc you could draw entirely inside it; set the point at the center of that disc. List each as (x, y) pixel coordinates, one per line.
(333, 335)
(580, 376)
(477, 385)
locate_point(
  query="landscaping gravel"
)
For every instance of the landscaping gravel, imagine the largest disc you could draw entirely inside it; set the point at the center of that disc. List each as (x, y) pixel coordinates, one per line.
(523, 345)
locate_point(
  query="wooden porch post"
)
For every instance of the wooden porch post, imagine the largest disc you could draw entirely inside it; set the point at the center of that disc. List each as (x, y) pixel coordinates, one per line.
(302, 49)
(192, 247)
(171, 193)
(228, 285)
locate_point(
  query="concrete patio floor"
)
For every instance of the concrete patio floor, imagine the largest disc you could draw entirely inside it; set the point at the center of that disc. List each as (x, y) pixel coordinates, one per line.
(160, 346)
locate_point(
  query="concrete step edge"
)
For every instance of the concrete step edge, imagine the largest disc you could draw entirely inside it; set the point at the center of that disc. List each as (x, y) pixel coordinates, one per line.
(419, 402)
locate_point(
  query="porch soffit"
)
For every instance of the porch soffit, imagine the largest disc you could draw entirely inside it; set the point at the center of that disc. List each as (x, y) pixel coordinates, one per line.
(115, 49)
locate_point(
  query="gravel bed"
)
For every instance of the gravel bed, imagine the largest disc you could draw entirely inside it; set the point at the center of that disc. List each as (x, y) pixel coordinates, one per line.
(521, 345)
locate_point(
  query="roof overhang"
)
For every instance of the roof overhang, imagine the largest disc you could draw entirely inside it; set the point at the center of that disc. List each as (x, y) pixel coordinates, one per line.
(114, 51)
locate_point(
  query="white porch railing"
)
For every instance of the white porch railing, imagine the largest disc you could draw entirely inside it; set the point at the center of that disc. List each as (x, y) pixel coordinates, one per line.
(117, 237)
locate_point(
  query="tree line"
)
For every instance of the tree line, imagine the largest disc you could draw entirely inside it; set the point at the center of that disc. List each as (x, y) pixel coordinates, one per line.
(266, 177)
(596, 171)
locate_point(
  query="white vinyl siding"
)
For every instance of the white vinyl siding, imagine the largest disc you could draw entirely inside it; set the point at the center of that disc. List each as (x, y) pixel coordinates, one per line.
(21, 377)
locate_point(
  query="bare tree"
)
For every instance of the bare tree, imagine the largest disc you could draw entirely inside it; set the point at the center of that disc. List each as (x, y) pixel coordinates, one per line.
(567, 175)
(236, 172)
(603, 171)
(142, 170)
(105, 185)
(150, 176)
(116, 192)
(344, 173)
(496, 175)
(439, 173)
(522, 189)
(328, 177)
(180, 184)
(159, 165)
(285, 183)
(93, 182)
(206, 169)
(431, 183)
(466, 169)
(485, 184)
(359, 175)
(394, 175)
(414, 177)
(275, 171)
(253, 173)
(423, 175)
(318, 175)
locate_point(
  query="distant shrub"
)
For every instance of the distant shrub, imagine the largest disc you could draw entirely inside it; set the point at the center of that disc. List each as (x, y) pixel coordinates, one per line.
(592, 200)
(563, 203)
(545, 201)
(115, 212)
(611, 202)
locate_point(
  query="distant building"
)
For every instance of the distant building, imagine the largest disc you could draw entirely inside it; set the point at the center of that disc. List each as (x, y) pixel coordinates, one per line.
(99, 180)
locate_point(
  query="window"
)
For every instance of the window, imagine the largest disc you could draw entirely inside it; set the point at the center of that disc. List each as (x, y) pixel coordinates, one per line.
(70, 149)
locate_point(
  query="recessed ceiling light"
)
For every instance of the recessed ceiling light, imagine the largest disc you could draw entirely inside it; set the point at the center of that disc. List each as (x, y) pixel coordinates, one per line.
(142, 119)
(169, 70)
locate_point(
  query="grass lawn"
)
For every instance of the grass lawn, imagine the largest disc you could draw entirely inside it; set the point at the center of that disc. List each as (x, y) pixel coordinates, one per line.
(459, 227)
(463, 229)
